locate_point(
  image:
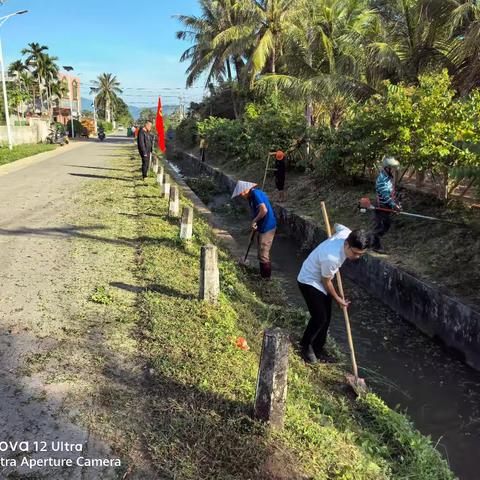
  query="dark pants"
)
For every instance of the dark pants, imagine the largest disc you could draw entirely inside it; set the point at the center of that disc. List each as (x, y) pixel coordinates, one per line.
(382, 221)
(320, 308)
(145, 165)
(202, 154)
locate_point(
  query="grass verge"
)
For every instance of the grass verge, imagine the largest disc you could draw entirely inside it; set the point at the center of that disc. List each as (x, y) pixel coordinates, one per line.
(23, 151)
(155, 372)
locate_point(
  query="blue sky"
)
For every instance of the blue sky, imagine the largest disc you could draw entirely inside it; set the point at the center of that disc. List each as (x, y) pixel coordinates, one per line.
(133, 40)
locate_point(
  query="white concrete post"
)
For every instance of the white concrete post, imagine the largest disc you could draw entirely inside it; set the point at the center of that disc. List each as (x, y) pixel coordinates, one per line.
(209, 275)
(186, 226)
(174, 202)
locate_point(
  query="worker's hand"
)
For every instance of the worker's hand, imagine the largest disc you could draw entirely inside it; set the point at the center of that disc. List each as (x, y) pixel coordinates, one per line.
(254, 226)
(343, 303)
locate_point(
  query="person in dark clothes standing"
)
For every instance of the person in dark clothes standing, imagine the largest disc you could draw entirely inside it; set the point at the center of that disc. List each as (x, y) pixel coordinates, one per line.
(263, 222)
(315, 281)
(145, 146)
(280, 169)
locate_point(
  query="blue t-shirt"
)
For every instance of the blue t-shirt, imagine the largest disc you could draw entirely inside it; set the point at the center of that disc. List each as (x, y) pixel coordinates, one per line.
(268, 222)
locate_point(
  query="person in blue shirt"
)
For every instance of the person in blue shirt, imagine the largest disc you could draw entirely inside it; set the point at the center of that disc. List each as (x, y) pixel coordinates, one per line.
(263, 222)
(386, 198)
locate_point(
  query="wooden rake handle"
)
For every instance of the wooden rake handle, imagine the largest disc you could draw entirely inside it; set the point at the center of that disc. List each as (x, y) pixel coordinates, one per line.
(340, 291)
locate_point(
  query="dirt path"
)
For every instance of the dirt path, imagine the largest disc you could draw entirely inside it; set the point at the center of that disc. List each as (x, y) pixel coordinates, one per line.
(36, 266)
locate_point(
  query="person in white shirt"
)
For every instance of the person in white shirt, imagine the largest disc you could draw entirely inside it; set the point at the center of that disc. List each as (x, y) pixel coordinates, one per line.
(315, 281)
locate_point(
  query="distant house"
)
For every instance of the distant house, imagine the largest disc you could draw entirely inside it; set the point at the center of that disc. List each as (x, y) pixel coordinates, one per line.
(62, 111)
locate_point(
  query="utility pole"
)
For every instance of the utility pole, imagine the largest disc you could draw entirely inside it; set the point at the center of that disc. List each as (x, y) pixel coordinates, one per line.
(70, 95)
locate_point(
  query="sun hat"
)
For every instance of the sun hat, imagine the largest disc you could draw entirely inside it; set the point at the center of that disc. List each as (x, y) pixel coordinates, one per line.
(241, 187)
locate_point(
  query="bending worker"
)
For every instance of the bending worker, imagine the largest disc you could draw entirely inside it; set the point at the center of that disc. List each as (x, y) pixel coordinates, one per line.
(315, 281)
(386, 198)
(263, 222)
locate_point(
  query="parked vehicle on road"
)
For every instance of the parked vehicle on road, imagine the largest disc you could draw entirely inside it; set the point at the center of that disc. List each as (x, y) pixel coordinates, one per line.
(55, 135)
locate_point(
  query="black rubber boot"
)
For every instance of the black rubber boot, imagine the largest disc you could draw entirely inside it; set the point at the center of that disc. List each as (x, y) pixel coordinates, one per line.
(309, 355)
(265, 269)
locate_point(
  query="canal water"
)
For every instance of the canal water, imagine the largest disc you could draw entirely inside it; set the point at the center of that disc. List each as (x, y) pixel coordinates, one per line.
(406, 368)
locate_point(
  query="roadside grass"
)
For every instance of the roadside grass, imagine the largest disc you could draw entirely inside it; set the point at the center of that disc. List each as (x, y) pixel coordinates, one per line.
(420, 247)
(155, 372)
(22, 151)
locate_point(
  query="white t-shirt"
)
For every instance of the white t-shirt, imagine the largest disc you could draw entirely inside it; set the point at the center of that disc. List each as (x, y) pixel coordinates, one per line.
(325, 260)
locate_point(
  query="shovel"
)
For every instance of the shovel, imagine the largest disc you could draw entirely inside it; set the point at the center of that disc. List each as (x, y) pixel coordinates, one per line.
(358, 384)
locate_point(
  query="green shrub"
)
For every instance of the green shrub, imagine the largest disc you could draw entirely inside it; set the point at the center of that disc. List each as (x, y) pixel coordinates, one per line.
(187, 133)
(77, 126)
(263, 128)
(107, 126)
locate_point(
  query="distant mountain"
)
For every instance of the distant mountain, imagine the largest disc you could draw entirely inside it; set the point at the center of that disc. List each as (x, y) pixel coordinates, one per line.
(134, 111)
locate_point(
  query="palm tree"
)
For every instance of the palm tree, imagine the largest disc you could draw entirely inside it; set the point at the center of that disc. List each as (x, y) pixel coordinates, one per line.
(465, 44)
(261, 32)
(210, 52)
(47, 71)
(16, 68)
(106, 90)
(28, 82)
(325, 53)
(34, 52)
(410, 37)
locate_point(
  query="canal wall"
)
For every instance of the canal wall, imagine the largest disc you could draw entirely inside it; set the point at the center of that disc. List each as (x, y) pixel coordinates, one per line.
(433, 310)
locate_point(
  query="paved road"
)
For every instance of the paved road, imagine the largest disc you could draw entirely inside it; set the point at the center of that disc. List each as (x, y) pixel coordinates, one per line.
(34, 256)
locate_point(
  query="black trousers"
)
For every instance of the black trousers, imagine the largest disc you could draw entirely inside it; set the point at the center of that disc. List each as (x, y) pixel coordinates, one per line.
(202, 154)
(382, 221)
(145, 165)
(320, 308)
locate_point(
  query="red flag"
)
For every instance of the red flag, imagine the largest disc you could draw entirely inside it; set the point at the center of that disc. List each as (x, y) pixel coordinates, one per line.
(159, 127)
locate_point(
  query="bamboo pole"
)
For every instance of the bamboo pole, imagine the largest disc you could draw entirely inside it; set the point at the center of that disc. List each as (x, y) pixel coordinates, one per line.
(340, 290)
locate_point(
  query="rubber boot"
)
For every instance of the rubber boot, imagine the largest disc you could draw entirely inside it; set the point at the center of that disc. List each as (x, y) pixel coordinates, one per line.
(265, 269)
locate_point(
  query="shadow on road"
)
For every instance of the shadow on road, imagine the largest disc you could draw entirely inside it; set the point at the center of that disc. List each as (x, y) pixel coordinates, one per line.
(100, 177)
(98, 168)
(72, 231)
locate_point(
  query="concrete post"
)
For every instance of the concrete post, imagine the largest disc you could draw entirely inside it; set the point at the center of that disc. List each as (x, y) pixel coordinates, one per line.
(271, 394)
(155, 165)
(209, 275)
(160, 176)
(174, 203)
(165, 188)
(186, 227)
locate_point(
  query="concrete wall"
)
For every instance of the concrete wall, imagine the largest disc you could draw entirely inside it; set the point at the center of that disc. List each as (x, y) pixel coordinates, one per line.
(36, 132)
(433, 310)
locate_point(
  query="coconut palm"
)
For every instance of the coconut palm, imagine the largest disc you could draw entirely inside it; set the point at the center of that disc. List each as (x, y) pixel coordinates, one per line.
(106, 89)
(465, 43)
(264, 27)
(325, 52)
(209, 53)
(410, 38)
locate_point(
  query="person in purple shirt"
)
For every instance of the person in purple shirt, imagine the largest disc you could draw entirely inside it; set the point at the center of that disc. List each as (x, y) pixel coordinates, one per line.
(263, 222)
